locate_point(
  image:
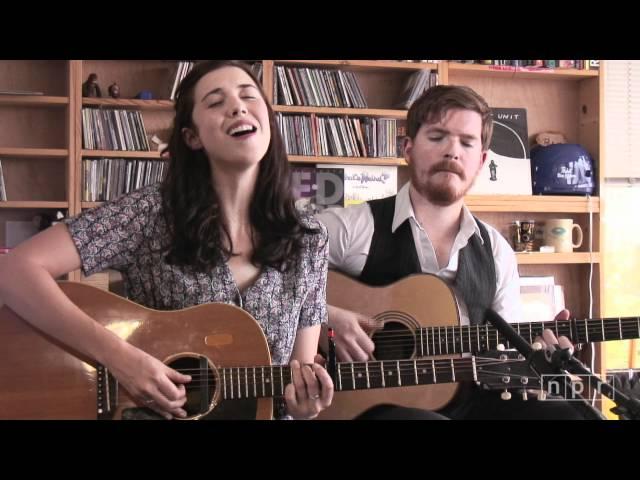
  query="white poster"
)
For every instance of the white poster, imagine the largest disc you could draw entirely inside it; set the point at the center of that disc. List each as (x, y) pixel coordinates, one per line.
(507, 169)
(368, 182)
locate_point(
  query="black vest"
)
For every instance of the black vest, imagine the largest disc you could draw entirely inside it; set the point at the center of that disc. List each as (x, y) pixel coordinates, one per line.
(393, 256)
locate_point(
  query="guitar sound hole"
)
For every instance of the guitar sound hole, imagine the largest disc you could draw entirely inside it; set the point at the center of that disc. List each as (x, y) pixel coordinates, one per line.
(394, 342)
(202, 388)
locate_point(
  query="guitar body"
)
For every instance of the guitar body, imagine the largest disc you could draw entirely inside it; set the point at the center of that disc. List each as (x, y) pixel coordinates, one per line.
(416, 301)
(41, 379)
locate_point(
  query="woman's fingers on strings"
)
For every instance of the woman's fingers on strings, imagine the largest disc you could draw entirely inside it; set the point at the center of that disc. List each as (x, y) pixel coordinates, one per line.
(298, 381)
(311, 382)
(326, 385)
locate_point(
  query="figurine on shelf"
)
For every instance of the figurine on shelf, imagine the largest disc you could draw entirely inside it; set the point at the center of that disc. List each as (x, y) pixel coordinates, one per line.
(114, 90)
(90, 88)
(493, 167)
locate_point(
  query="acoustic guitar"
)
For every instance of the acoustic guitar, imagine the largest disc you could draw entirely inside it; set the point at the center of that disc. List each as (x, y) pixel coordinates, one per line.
(418, 317)
(221, 346)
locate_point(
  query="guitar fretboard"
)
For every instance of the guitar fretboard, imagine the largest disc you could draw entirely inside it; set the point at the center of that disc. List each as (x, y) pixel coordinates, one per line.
(270, 381)
(474, 338)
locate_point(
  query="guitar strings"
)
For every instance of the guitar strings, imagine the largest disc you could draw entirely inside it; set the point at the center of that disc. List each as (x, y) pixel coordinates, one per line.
(454, 337)
(360, 371)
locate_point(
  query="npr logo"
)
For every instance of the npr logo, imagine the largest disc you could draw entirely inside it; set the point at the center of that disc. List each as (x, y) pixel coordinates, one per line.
(567, 387)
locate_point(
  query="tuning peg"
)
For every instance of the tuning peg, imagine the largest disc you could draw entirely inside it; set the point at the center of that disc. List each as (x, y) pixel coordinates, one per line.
(543, 395)
(536, 346)
(524, 396)
(506, 395)
(500, 347)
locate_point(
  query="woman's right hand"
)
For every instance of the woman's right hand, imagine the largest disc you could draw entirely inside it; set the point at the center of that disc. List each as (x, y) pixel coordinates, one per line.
(150, 382)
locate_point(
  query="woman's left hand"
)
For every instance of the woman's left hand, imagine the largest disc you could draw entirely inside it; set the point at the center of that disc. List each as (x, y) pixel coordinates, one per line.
(311, 390)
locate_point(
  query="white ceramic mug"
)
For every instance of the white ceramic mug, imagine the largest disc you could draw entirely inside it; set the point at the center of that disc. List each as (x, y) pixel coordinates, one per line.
(558, 233)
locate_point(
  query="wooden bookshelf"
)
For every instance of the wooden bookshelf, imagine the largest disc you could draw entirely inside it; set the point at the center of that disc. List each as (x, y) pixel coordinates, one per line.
(535, 203)
(352, 112)
(33, 205)
(399, 162)
(555, 100)
(537, 258)
(33, 101)
(35, 139)
(90, 204)
(503, 71)
(120, 154)
(34, 152)
(364, 64)
(130, 103)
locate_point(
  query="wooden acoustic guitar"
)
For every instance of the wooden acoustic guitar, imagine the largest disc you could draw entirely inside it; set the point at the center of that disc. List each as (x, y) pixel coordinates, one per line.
(418, 317)
(221, 346)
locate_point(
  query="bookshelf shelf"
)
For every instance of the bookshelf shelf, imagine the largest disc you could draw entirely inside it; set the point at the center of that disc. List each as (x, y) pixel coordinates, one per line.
(33, 101)
(521, 72)
(532, 203)
(128, 103)
(363, 64)
(33, 205)
(90, 204)
(34, 152)
(537, 258)
(352, 112)
(120, 154)
(400, 162)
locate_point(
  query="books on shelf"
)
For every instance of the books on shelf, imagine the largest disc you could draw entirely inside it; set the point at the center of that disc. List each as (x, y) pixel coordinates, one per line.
(181, 72)
(314, 135)
(541, 298)
(105, 179)
(317, 87)
(417, 83)
(113, 129)
(507, 169)
(534, 65)
(256, 69)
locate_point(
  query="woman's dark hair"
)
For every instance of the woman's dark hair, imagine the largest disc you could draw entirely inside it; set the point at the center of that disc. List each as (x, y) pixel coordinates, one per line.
(191, 205)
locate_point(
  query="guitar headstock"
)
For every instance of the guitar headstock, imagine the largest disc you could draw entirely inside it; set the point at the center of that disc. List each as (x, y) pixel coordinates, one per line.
(508, 371)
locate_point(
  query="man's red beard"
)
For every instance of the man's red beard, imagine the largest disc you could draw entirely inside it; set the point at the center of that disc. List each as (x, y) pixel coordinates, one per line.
(439, 191)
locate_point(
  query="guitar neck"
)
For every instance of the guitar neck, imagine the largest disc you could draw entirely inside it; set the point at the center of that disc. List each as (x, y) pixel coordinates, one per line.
(473, 338)
(270, 381)
(403, 373)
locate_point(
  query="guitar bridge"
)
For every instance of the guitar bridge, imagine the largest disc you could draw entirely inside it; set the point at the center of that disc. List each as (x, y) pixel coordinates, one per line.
(106, 394)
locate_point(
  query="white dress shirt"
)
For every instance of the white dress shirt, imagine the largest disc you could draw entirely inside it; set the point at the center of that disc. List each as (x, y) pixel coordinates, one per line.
(351, 230)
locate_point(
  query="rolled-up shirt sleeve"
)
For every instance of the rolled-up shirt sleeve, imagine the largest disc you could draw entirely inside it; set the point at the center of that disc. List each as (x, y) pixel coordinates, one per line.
(111, 235)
